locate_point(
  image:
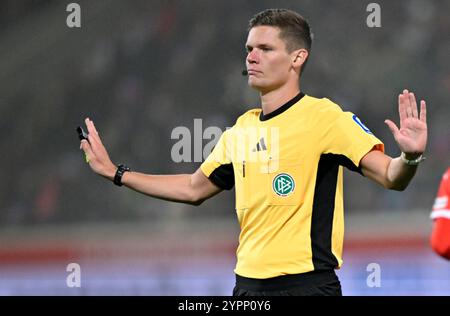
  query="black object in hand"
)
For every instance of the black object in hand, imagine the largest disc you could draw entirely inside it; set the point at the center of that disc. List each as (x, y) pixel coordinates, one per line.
(82, 134)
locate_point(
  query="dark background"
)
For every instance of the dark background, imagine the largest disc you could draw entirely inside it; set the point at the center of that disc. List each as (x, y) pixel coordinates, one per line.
(140, 69)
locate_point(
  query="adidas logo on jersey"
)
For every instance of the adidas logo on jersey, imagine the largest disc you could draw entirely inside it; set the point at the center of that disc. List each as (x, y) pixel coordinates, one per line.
(260, 146)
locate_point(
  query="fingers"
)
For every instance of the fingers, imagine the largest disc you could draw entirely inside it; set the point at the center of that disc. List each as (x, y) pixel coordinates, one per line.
(407, 103)
(93, 147)
(423, 111)
(93, 127)
(413, 105)
(394, 129)
(93, 141)
(402, 107)
(90, 126)
(87, 150)
(93, 134)
(97, 136)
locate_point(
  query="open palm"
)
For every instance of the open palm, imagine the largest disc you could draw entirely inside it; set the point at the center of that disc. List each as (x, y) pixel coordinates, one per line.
(412, 135)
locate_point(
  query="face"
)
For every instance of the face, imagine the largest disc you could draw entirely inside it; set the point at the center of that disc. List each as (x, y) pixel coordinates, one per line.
(269, 64)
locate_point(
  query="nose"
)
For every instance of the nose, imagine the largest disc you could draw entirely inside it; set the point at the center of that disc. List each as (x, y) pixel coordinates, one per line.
(252, 57)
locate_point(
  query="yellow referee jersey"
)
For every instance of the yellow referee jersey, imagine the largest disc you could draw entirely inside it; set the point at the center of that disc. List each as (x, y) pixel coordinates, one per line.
(287, 169)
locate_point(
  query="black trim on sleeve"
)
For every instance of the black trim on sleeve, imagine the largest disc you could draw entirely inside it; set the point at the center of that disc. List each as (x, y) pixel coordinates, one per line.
(346, 162)
(223, 176)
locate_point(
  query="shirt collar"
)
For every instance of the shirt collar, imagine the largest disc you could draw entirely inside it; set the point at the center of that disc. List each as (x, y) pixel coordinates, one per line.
(282, 108)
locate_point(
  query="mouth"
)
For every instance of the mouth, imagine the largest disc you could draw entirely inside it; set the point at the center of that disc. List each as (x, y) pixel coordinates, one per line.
(253, 72)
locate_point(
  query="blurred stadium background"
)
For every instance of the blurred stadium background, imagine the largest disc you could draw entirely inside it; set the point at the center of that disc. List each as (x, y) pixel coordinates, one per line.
(141, 68)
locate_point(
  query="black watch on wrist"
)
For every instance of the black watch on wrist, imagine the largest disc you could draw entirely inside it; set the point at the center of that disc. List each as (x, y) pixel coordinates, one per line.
(121, 169)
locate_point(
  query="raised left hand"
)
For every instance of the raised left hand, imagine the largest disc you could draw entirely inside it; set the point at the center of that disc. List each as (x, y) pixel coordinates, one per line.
(412, 135)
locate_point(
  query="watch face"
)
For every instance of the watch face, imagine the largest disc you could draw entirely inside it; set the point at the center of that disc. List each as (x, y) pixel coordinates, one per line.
(122, 168)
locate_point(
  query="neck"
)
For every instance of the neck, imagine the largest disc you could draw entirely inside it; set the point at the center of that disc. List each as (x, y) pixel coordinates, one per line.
(272, 100)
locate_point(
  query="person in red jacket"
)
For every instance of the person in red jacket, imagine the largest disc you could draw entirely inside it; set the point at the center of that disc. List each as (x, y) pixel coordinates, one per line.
(440, 236)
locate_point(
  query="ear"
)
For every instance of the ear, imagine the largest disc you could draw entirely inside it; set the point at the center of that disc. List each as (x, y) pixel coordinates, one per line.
(299, 57)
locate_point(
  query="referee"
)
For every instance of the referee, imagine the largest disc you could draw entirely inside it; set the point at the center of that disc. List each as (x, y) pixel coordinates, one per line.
(286, 160)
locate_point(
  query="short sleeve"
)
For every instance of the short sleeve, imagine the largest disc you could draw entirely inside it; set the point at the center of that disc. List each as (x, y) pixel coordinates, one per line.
(351, 139)
(218, 166)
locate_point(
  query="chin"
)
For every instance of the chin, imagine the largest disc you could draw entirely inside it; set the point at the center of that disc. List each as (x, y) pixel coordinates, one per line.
(256, 85)
(259, 87)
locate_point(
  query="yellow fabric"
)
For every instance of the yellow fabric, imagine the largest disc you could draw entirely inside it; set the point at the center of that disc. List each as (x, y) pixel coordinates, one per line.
(275, 236)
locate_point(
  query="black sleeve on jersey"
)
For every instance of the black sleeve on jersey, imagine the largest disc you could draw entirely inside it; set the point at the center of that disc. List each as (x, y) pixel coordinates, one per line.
(223, 176)
(345, 162)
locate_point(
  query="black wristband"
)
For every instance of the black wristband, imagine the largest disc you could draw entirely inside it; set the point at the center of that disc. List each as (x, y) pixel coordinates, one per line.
(121, 169)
